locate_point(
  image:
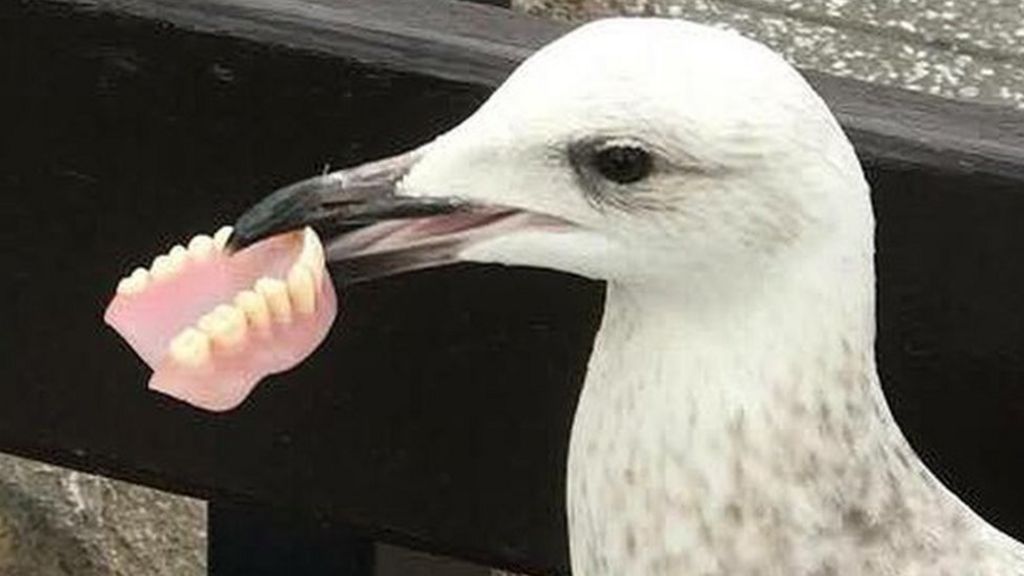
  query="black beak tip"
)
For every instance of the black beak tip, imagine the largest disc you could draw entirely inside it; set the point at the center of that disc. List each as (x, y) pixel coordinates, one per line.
(235, 243)
(286, 209)
(247, 231)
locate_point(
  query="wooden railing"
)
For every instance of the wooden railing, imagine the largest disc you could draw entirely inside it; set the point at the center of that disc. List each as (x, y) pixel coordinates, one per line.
(437, 414)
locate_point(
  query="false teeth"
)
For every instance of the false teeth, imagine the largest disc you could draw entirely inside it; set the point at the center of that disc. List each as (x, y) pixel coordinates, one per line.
(269, 300)
(212, 324)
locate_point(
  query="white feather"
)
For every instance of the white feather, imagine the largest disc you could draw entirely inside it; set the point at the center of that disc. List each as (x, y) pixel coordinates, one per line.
(731, 421)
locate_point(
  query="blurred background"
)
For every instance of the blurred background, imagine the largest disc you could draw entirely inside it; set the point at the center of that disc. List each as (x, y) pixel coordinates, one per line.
(60, 522)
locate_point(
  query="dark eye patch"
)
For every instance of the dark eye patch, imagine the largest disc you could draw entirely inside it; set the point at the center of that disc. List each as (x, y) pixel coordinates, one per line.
(606, 168)
(623, 163)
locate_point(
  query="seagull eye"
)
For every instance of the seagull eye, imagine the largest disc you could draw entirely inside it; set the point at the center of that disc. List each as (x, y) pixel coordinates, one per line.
(623, 164)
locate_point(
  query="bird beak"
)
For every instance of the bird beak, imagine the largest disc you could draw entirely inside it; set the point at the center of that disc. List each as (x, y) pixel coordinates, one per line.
(337, 202)
(369, 228)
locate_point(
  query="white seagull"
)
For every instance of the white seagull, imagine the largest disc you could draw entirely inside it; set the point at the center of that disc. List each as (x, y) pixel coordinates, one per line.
(731, 422)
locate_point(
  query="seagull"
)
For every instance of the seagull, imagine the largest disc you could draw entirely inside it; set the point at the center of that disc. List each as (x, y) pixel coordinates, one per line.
(731, 421)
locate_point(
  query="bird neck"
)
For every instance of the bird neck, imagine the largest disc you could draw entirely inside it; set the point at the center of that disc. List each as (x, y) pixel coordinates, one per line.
(799, 340)
(760, 424)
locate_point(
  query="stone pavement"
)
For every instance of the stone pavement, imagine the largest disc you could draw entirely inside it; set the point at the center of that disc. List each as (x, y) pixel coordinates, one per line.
(56, 522)
(62, 523)
(967, 49)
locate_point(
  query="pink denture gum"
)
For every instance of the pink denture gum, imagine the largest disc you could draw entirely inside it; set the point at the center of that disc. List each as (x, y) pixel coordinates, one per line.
(211, 325)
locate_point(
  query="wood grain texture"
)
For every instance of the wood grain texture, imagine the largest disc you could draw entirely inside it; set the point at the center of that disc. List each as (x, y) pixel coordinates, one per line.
(482, 44)
(898, 127)
(448, 39)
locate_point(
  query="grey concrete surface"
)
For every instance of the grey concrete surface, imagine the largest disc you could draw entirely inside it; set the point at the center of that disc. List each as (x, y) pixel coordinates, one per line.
(58, 522)
(966, 49)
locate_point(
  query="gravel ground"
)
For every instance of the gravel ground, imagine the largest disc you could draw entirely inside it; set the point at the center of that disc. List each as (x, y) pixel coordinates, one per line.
(62, 523)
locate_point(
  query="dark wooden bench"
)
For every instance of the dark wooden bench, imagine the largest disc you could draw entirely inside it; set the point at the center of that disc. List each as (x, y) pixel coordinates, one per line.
(438, 412)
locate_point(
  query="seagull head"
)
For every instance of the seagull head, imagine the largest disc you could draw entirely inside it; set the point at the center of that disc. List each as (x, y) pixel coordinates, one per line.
(637, 151)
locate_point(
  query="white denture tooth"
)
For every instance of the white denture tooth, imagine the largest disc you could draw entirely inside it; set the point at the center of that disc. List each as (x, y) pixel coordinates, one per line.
(318, 248)
(301, 289)
(276, 294)
(178, 256)
(208, 323)
(163, 268)
(140, 274)
(134, 283)
(312, 256)
(315, 269)
(255, 308)
(220, 238)
(190, 348)
(201, 248)
(126, 286)
(317, 276)
(225, 326)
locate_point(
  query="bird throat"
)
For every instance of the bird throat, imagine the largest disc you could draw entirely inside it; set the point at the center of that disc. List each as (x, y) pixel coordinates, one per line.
(762, 441)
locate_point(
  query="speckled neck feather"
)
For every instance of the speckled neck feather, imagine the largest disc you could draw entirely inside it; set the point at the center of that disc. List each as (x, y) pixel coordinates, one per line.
(759, 443)
(731, 422)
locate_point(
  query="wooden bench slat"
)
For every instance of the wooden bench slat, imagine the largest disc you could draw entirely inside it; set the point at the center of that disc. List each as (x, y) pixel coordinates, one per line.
(437, 413)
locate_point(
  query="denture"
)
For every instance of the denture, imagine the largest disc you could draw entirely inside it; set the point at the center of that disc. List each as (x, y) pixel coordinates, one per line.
(211, 324)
